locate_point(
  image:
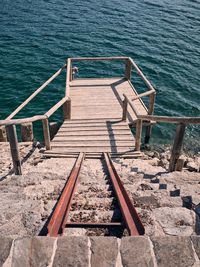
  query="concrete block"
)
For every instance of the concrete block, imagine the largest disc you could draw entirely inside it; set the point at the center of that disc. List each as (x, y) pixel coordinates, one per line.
(104, 251)
(5, 246)
(21, 252)
(72, 251)
(42, 249)
(33, 252)
(196, 244)
(173, 251)
(136, 251)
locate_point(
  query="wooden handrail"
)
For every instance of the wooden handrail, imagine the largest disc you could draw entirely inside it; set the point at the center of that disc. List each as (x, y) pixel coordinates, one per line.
(56, 106)
(143, 94)
(21, 121)
(35, 118)
(185, 120)
(34, 94)
(141, 75)
(131, 105)
(98, 58)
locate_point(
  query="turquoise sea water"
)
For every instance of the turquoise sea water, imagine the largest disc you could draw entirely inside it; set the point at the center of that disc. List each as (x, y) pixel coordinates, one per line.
(162, 36)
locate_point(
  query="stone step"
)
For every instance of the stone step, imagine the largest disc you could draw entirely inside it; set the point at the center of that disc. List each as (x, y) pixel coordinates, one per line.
(106, 251)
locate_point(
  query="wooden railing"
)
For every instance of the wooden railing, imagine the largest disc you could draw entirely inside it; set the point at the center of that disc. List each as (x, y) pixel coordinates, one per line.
(10, 123)
(181, 122)
(12, 134)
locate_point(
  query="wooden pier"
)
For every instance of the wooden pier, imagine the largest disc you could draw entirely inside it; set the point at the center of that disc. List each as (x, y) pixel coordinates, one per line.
(98, 116)
(96, 124)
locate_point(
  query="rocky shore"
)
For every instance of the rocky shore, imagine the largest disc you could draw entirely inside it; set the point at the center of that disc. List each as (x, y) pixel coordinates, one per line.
(27, 200)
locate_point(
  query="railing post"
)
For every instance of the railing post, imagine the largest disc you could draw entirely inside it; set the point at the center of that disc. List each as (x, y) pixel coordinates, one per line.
(138, 135)
(12, 136)
(45, 124)
(68, 77)
(27, 132)
(176, 149)
(3, 137)
(124, 113)
(67, 109)
(128, 68)
(150, 112)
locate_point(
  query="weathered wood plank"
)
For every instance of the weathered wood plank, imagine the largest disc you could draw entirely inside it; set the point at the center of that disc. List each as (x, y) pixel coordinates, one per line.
(94, 138)
(92, 124)
(91, 143)
(93, 155)
(138, 135)
(67, 109)
(3, 136)
(94, 133)
(150, 112)
(94, 127)
(176, 149)
(95, 81)
(27, 132)
(94, 149)
(45, 124)
(12, 136)
(96, 117)
(105, 119)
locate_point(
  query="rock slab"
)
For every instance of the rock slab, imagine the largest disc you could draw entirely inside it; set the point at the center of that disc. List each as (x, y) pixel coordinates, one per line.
(176, 251)
(85, 251)
(136, 251)
(104, 251)
(72, 251)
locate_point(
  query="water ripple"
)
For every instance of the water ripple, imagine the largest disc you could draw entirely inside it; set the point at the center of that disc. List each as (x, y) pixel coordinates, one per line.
(163, 37)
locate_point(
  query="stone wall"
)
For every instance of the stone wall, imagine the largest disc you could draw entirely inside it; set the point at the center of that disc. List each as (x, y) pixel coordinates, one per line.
(100, 251)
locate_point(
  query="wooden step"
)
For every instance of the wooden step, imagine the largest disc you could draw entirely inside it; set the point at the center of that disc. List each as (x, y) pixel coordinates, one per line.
(97, 120)
(93, 149)
(51, 154)
(64, 143)
(95, 124)
(93, 138)
(93, 127)
(94, 130)
(94, 133)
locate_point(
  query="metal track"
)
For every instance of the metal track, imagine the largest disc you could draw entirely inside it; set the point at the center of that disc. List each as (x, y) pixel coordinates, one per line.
(58, 221)
(131, 218)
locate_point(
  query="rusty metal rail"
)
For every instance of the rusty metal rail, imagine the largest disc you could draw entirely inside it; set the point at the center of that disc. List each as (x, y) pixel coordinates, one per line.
(58, 221)
(131, 218)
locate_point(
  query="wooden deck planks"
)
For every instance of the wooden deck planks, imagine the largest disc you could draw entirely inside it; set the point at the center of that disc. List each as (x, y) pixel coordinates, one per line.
(96, 125)
(88, 96)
